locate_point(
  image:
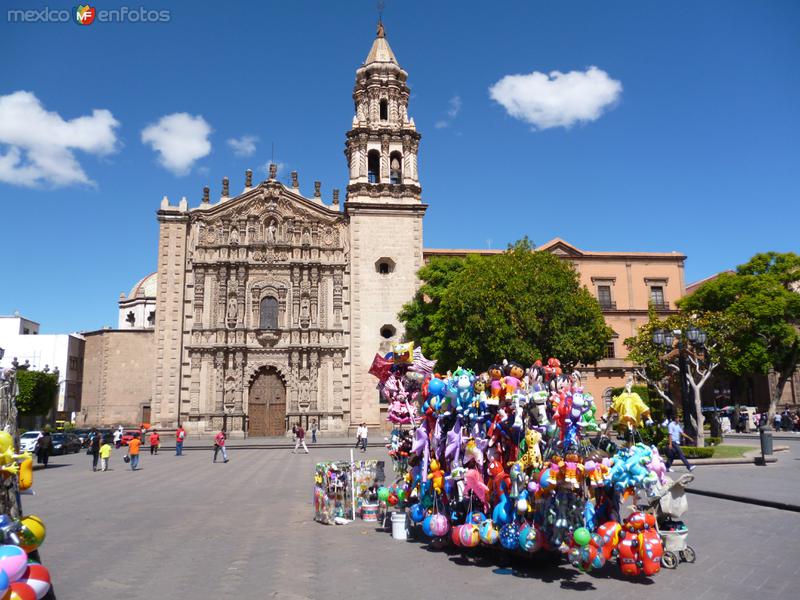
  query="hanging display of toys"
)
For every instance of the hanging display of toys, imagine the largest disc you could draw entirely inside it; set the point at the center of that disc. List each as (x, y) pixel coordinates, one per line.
(342, 487)
(504, 458)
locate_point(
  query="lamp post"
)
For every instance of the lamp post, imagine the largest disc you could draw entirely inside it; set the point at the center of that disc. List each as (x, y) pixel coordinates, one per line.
(667, 339)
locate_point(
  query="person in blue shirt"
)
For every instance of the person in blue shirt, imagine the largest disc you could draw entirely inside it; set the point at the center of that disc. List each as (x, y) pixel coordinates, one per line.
(674, 449)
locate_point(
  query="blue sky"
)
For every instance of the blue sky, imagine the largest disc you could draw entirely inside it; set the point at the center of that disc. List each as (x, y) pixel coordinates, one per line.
(698, 152)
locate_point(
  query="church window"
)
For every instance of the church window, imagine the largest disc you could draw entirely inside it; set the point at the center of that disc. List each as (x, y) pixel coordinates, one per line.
(131, 318)
(388, 331)
(269, 313)
(384, 265)
(151, 318)
(395, 167)
(374, 166)
(384, 110)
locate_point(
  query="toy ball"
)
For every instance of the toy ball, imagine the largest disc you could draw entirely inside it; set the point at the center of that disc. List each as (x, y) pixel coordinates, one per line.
(509, 536)
(439, 525)
(401, 494)
(418, 513)
(426, 525)
(476, 518)
(32, 534)
(383, 494)
(591, 558)
(469, 535)
(529, 539)
(22, 591)
(37, 578)
(488, 532)
(574, 557)
(436, 387)
(392, 499)
(581, 536)
(14, 561)
(455, 535)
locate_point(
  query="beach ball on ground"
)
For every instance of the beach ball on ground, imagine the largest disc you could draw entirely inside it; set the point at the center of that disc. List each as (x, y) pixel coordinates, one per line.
(13, 560)
(32, 534)
(488, 532)
(36, 577)
(509, 536)
(469, 535)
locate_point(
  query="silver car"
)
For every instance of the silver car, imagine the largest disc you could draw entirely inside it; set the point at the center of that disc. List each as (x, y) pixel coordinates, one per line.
(27, 441)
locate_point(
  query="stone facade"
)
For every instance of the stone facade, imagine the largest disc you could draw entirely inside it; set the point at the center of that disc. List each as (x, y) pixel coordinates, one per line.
(271, 293)
(117, 377)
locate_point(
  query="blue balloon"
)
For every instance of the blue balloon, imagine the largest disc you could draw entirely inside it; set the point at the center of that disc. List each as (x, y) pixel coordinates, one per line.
(476, 518)
(4, 582)
(509, 536)
(426, 526)
(418, 513)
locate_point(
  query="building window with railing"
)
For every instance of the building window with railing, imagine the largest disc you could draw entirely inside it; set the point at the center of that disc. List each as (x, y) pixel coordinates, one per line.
(604, 297)
(657, 297)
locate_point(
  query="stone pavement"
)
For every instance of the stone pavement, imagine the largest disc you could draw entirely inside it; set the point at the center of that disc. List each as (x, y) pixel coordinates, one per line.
(184, 527)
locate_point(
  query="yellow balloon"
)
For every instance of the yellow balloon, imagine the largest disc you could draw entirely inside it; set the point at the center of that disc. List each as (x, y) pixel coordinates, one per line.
(26, 474)
(32, 534)
(6, 441)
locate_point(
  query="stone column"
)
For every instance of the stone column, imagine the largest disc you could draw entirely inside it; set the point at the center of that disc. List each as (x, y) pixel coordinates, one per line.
(222, 296)
(241, 280)
(337, 298)
(219, 374)
(337, 382)
(238, 366)
(314, 295)
(199, 294)
(385, 159)
(194, 386)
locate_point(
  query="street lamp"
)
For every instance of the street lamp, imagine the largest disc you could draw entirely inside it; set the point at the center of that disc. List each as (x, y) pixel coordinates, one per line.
(697, 338)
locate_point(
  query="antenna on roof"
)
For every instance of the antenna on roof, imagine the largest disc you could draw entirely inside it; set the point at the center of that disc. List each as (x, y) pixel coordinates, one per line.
(380, 5)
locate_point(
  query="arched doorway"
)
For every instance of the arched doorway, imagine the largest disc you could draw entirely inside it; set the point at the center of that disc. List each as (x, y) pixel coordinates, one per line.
(266, 410)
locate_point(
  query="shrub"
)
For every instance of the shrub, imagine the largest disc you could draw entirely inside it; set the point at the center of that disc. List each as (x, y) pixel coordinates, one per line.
(689, 451)
(713, 441)
(37, 392)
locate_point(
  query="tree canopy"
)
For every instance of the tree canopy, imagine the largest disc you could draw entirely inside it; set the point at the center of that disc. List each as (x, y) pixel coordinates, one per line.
(762, 304)
(37, 392)
(520, 305)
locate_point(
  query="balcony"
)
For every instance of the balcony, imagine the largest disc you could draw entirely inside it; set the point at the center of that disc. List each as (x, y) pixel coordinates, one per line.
(607, 305)
(663, 305)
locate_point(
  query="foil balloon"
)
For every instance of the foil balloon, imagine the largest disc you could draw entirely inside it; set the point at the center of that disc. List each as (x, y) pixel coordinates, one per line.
(488, 532)
(32, 533)
(509, 536)
(469, 535)
(439, 525)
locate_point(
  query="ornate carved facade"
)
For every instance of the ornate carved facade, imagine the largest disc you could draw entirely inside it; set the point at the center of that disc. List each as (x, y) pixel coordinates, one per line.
(254, 307)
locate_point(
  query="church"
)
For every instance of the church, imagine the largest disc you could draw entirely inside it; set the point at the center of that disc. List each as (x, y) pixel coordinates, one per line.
(267, 307)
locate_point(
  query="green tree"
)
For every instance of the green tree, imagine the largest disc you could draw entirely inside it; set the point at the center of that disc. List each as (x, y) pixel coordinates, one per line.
(420, 315)
(37, 392)
(762, 304)
(519, 305)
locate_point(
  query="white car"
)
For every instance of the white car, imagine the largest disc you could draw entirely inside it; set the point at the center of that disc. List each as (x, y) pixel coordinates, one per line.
(27, 441)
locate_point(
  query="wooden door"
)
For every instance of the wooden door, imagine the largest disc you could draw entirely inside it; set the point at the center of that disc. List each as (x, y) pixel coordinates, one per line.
(267, 405)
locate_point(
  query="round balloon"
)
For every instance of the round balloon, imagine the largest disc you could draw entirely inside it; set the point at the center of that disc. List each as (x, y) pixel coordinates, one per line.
(37, 578)
(32, 534)
(426, 525)
(455, 535)
(383, 494)
(22, 591)
(469, 535)
(13, 560)
(476, 518)
(439, 525)
(4, 584)
(488, 532)
(581, 536)
(418, 513)
(509, 536)
(529, 539)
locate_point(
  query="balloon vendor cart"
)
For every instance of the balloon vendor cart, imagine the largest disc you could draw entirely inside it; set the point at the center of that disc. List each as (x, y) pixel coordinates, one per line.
(341, 488)
(513, 457)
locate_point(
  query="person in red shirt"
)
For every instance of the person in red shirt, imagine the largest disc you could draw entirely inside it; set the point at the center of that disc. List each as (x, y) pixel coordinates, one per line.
(133, 451)
(155, 442)
(180, 435)
(301, 439)
(219, 445)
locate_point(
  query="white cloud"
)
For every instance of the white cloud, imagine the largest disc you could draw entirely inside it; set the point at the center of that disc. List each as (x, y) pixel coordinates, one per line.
(243, 146)
(37, 147)
(180, 139)
(558, 99)
(454, 107)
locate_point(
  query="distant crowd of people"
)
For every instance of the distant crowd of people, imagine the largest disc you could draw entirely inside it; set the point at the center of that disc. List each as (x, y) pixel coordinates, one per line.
(786, 421)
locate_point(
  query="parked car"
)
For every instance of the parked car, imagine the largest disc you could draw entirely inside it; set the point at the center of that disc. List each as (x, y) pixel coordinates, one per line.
(83, 436)
(127, 435)
(27, 441)
(65, 443)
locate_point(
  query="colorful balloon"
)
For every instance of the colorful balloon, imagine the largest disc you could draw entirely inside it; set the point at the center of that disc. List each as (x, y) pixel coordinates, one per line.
(439, 525)
(488, 532)
(37, 578)
(22, 591)
(581, 536)
(32, 534)
(418, 513)
(13, 560)
(509, 536)
(383, 494)
(469, 535)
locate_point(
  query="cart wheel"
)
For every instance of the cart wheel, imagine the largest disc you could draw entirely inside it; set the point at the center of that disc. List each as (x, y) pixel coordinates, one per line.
(669, 560)
(688, 554)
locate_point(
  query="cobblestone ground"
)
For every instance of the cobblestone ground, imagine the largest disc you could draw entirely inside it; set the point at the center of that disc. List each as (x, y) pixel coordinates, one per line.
(184, 527)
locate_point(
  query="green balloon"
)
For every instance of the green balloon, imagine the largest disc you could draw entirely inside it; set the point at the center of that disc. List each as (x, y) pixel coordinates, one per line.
(581, 536)
(383, 494)
(401, 494)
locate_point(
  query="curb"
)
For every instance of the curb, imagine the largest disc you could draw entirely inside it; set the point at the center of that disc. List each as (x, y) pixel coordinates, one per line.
(746, 500)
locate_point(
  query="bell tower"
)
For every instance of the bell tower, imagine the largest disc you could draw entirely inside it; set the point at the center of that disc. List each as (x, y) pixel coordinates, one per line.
(385, 212)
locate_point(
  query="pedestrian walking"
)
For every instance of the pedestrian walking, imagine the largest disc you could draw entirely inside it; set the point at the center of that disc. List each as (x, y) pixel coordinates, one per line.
(44, 446)
(301, 434)
(776, 421)
(180, 436)
(313, 432)
(219, 446)
(361, 437)
(118, 437)
(105, 455)
(95, 441)
(674, 449)
(155, 442)
(133, 451)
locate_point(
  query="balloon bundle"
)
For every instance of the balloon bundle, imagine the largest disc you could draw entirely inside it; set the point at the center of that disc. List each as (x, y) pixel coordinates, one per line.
(503, 458)
(22, 577)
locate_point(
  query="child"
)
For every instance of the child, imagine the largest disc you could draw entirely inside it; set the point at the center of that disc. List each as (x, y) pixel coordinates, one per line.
(105, 454)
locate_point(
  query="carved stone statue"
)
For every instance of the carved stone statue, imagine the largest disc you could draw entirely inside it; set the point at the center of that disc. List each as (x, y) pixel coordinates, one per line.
(271, 232)
(233, 311)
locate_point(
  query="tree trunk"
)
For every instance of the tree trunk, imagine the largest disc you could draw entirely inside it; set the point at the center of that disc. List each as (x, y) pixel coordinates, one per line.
(698, 413)
(783, 378)
(9, 492)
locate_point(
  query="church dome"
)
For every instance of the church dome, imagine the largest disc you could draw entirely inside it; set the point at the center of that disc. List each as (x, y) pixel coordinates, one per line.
(145, 287)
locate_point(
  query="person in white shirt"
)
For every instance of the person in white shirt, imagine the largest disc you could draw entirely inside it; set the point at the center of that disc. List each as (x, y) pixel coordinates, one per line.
(118, 437)
(361, 437)
(674, 449)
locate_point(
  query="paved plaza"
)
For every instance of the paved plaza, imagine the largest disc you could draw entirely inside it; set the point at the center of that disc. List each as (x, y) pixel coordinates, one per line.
(184, 527)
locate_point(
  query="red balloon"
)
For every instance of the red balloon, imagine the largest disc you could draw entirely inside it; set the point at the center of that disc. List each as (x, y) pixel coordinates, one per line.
(22, 591)
(455, 535)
